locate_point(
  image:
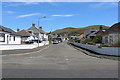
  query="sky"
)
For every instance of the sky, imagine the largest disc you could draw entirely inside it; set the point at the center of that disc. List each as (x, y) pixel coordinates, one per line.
(58, 14)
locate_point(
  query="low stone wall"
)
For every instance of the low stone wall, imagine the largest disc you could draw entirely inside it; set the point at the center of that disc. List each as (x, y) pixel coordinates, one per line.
(22, 46)
(103, 50)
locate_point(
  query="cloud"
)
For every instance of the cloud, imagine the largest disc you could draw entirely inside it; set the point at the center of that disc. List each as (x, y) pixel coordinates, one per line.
(15, 4)
(9, 12)
(31, 3)
(28, 15)
(61, 1)
(104, 4)
(67, 15)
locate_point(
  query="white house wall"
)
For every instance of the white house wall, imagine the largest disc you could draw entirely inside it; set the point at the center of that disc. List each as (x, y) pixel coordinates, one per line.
(6, 34)
(46, 36)
(17, 40)
(115, 38)
(8, 41)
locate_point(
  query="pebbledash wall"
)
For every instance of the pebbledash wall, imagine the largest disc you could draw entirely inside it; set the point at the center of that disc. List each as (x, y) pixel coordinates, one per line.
(22, 46)
(103, 50)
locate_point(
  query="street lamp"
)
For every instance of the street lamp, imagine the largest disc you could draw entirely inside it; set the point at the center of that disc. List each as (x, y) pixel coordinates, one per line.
(38, 27)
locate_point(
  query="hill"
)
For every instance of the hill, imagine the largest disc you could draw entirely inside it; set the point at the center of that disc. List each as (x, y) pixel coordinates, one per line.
(74, 31)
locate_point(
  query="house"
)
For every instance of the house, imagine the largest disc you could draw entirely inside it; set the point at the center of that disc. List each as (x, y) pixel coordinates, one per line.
(112, 35)
(80, 37)
(8, 36)
(25, 35)
(43, 34)
(37, 33)
(93, 32)
(88, 32)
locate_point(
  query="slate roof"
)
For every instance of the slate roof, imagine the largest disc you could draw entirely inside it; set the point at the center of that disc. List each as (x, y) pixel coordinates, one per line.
(4, 29)
(35, 30)
(24, 33)
(115, 28)
(42, 32)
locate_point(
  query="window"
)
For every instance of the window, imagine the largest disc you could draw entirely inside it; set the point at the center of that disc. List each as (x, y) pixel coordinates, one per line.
(10, 38)
(111, 39)
(14, 38)
(2, 37)
(30, 32)
(106, 39)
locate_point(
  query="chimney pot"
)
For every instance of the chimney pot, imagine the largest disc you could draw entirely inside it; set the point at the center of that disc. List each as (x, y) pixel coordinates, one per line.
(33, 25)
(40, 27)
(18, 29)
(101, 28)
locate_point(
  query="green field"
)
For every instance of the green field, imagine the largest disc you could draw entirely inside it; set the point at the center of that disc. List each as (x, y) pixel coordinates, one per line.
(77, 31)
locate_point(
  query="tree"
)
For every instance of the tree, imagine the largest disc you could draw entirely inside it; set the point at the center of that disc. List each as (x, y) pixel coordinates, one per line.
(98, 39)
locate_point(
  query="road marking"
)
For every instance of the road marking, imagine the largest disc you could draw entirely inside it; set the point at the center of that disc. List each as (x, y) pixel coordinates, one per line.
(25, 53)
(66, 59)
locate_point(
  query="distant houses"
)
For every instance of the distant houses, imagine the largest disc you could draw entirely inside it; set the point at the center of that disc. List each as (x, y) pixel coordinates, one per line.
(8, 36)
(80, 37)
(112, 35)
(105, 37)
(93, 32)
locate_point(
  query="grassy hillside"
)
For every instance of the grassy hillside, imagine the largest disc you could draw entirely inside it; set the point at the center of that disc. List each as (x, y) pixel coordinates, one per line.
(74, 31)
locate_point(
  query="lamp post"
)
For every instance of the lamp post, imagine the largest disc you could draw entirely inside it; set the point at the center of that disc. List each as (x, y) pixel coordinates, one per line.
(38, 27)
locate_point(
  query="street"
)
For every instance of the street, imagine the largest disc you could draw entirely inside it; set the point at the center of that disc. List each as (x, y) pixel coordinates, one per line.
(58, 61)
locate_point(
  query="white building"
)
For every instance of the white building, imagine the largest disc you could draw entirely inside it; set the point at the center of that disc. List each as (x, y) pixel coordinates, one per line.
(37, 33)
(112, 35)
(8, 36)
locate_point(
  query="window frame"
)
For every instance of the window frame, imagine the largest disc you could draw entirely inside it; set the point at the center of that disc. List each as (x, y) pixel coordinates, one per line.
(3, 37)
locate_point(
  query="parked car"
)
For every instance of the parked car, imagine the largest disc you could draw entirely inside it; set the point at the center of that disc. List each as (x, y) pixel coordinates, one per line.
(33, 41)
(55, 41)
(37, 41)
(29, 42)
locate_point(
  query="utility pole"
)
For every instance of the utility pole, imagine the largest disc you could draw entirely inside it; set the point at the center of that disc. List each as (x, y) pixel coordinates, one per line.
(39, 29)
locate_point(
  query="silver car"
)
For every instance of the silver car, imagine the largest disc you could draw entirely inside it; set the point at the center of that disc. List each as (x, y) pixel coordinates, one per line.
(55, 41)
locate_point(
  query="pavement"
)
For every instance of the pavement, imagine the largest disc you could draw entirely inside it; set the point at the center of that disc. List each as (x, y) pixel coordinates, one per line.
(58, 61)
(21, 51)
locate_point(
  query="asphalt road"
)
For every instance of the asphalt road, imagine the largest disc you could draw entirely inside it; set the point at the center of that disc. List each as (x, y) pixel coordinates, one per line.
(58, 61)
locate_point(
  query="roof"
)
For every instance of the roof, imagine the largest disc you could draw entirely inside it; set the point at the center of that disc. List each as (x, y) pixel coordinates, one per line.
(115, 28)
(24, 33)
(8, 30)
(34, 29)
(81, 36)
(42, 32)
(96, 32)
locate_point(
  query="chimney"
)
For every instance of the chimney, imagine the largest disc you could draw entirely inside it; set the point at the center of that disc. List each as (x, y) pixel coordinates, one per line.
(101, 28)
(33, 25)
(40, 27)
(18, 29)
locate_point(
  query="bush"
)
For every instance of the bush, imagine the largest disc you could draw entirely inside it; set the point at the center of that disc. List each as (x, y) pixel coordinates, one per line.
(98, 39)
(50, 41)
(77, 41)
(104, 45)
(91, 43)
(71, 40)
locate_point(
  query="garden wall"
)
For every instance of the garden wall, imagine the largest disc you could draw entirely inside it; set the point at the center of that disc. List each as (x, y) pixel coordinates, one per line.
(22, 46)
(103, 50)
